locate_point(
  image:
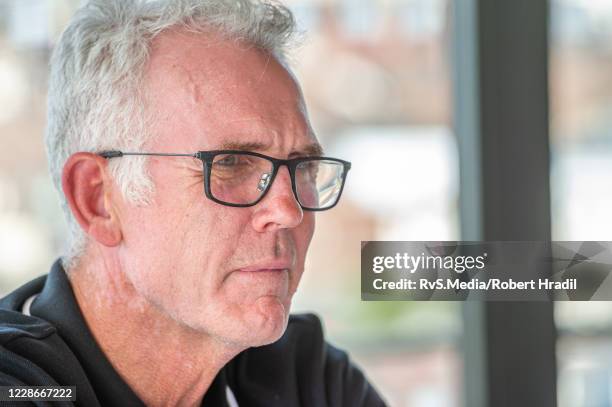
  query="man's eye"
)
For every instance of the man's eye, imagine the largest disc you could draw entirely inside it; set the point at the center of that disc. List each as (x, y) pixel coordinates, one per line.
(229, 161)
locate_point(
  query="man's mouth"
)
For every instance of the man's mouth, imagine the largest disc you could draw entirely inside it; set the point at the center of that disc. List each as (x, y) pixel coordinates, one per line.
(276, 265)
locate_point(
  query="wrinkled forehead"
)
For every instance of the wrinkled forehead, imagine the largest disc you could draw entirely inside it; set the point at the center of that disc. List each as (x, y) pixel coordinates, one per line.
(226, 88)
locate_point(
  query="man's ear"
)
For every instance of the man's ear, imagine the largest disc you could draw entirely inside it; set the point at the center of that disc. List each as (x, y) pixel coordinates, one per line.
(88, 190)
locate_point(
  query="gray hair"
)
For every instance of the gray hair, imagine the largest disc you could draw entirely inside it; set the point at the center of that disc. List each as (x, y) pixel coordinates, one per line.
(96, 100)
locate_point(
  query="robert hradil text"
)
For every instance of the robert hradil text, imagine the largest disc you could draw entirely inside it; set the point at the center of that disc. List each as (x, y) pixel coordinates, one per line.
(475, 284)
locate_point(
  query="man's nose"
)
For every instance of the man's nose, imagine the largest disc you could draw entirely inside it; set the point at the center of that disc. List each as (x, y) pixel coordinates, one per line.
(279, 209)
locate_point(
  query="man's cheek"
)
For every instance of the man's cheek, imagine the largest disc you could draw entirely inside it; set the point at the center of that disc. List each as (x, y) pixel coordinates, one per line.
(306, 233)
(225, 221)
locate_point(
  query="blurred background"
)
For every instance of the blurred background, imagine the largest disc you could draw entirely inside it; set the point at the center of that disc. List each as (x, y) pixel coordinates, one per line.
(380, 79)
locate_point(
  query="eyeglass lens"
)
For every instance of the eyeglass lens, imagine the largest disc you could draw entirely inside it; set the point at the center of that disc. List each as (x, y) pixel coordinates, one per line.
(242, 179)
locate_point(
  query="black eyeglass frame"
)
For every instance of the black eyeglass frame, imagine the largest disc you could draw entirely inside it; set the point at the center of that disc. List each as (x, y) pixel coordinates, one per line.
(207, 158)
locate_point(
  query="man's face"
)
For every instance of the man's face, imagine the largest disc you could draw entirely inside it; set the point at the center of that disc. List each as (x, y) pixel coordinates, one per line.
(230, 272)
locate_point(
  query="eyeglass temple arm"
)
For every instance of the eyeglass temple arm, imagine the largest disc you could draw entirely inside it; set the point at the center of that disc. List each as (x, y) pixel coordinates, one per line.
(116, 153)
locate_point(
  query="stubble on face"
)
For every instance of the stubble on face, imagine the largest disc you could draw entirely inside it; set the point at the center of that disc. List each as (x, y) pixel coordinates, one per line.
(186, 254)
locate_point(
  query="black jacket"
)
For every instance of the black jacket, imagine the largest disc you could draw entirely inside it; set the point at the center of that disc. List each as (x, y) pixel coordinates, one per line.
(45, 341)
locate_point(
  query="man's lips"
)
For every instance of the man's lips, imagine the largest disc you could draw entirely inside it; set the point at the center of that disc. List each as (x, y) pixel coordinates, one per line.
(263, 279)
(279, 265)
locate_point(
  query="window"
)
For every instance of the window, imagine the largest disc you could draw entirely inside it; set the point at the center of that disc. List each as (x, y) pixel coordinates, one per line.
(581, 146)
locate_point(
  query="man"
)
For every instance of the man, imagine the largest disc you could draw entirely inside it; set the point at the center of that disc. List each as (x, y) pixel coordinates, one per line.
(190, 176)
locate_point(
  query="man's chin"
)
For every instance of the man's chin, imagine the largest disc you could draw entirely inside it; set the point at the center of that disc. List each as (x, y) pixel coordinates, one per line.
(263, 322)
(267, 320)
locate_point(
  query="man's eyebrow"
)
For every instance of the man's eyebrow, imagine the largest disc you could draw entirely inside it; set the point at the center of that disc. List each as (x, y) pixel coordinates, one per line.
(242, 146)
(313, 149)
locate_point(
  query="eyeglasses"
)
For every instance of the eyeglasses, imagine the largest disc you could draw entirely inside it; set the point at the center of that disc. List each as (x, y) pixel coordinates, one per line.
(242, 178)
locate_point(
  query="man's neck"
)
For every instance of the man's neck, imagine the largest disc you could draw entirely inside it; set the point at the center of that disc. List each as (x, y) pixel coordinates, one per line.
(164, 363)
